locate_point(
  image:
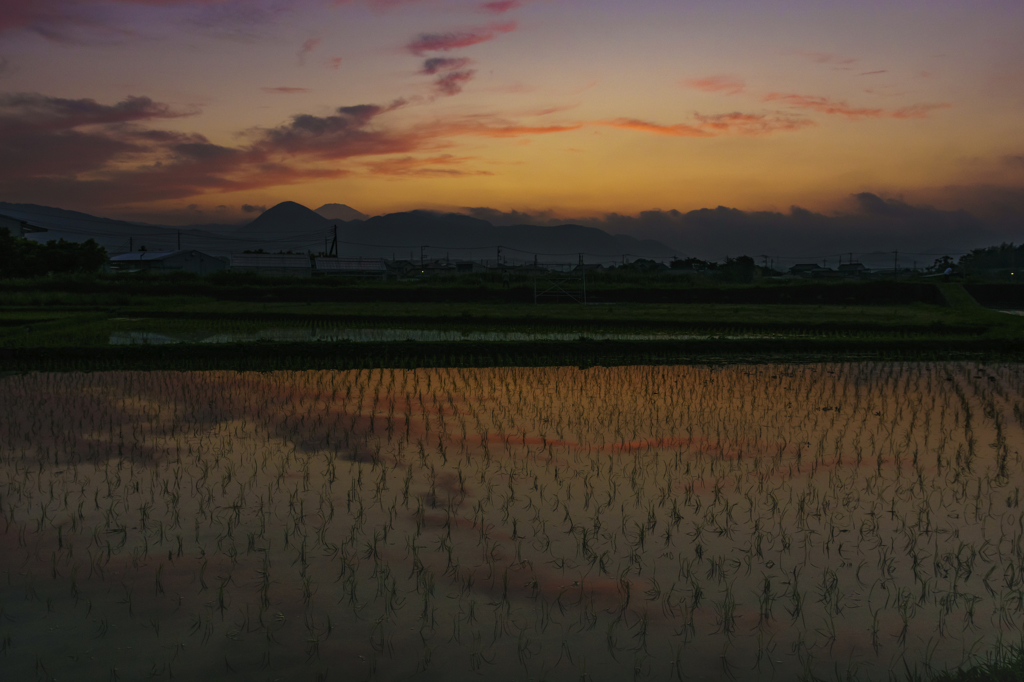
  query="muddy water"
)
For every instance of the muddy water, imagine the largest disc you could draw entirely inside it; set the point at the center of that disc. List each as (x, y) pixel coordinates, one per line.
(762, 522)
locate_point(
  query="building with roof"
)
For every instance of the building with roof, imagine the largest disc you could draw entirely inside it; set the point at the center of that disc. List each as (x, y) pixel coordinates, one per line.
(354, 267)
(18, 227)
(273, 264)
(852, 269)
(186, 260)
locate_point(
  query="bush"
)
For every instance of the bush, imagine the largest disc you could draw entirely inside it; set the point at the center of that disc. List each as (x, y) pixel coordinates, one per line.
(21, 257)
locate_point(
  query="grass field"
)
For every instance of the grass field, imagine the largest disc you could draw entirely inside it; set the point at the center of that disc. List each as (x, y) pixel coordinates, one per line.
(38, 327)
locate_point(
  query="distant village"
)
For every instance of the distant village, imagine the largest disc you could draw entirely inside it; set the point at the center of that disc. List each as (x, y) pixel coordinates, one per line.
(992, 261)
(313, 265)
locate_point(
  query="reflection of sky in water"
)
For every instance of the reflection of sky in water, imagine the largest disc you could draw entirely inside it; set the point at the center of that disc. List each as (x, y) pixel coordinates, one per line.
(381, 335)
(752, 522)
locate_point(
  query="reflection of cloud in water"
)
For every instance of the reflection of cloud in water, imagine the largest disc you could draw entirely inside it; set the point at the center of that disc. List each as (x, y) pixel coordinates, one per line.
(448, 521)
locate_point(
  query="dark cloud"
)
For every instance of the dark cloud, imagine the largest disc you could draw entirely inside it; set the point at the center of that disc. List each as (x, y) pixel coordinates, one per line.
(344, 134)
(870, 224)
(90, 154)
(1015, 160)
(506, 218)
(32, 111)
(451, 83)
(436, 65)
(443, 42)
(249, 208)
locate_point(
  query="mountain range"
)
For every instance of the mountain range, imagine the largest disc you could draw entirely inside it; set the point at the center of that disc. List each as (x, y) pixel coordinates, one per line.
(874, 230)
(289, 226)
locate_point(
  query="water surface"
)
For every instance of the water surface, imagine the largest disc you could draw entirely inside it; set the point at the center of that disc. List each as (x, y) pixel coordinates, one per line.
(746, 522)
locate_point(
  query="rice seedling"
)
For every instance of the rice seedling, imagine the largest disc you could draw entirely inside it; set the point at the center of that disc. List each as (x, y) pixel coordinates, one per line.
(653, 522)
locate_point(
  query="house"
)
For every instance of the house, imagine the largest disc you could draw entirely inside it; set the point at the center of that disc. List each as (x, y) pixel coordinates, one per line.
(357, 267)
(805, 269)
(18, 227)
(273, 264)
(186, 260)
(852, 269)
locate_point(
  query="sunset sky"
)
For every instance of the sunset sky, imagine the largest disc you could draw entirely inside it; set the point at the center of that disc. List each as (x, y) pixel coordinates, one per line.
(205, 110)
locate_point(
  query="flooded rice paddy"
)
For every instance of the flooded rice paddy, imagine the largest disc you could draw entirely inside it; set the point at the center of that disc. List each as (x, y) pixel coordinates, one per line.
(771, 522)
(129, 338)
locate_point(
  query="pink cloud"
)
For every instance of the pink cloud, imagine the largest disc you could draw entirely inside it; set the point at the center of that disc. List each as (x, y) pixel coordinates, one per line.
(308, 47)
(334, 62)
(738, 123)
(377, 4)
(729, 85)
(919, 110)
(825, 105)
(285, 90)
(92, 154)
(677, 130)
(501, 6)
(443, 42)
(735, 123)
(437, 166)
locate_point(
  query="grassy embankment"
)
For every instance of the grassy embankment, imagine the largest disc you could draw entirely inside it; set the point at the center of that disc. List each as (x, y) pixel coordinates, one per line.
(63, 324)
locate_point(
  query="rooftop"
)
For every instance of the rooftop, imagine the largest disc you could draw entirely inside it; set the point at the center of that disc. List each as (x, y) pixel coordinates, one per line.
(350, 264)
(269, 260)
(143, 255)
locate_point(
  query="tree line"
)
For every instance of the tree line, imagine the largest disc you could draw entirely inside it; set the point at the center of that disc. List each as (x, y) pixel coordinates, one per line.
(20, 257)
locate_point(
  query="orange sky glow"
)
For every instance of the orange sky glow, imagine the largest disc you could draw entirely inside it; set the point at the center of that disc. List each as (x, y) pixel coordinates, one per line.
(186, 110)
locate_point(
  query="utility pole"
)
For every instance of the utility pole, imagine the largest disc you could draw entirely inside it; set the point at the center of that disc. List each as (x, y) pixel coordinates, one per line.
(497, 261)
(131, 245)
(179, 240)
(333, 251)
(421, 256)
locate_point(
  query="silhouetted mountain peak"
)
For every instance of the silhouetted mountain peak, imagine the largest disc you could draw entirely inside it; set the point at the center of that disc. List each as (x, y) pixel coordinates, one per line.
(286, 217)
(340, 212)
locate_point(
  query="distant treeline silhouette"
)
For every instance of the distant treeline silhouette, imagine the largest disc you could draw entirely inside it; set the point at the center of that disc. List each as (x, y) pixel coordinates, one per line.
(20, 257)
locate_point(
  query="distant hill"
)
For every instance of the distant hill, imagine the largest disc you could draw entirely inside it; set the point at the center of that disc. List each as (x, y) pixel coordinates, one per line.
(459, 236)
(116, 236)
(284, 221)
(340, 212)
(290, 226)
